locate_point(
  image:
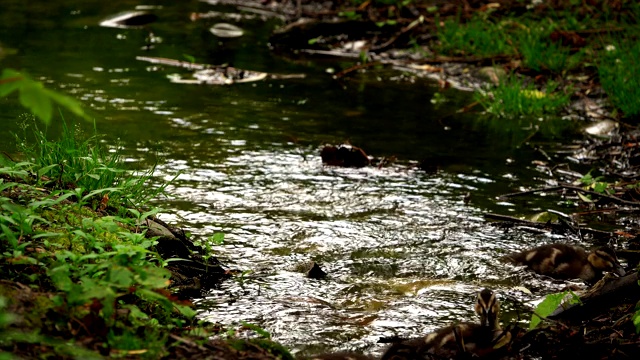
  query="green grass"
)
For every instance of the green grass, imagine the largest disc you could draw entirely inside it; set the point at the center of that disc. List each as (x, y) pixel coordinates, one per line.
(619, 71)
(93, 269)
(540, 54)
(72, 162)
(513, 98)
(478, 37)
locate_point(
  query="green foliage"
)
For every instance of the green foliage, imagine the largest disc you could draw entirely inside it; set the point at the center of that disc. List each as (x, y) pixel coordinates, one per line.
(550, 304)
(478, 37)
(35, 97)
(350, 15)
(102, 273)
(511, 98)
(84, 165)
(597, 184)
(264, 341)
(619, 72)
(636, 317)
(539, 53)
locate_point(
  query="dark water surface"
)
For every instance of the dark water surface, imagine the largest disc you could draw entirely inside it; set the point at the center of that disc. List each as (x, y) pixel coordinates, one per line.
(404, 252)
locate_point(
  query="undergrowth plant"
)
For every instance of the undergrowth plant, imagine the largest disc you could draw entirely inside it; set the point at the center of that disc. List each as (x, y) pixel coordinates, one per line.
(539, 53)
(74, 163)
(478, 37)
(512, 98)
(619, 72)
(550, 304)
(100, 276)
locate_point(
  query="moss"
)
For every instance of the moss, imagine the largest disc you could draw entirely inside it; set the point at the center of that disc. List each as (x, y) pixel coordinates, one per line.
(29, 306)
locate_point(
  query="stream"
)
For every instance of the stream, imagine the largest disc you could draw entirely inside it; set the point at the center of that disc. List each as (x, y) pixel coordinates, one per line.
(405, 250)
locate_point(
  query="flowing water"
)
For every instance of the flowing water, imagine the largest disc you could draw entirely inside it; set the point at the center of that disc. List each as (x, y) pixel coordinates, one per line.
(404, 250)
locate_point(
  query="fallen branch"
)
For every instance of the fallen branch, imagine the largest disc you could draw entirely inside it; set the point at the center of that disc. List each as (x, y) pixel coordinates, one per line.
(608, 292)
(354, 68)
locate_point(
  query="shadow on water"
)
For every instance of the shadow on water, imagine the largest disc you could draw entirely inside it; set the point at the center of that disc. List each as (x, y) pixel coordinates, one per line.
(404, 252)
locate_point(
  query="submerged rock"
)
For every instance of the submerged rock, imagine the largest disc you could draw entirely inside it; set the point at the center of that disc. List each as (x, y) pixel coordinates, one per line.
(344, 155)
(311, 269)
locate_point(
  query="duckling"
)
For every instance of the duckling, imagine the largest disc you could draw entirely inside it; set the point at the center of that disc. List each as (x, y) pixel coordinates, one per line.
(476, 339)
(563, 261)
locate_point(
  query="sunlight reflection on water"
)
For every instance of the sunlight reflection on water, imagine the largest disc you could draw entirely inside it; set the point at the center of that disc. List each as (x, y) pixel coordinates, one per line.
(403, 252)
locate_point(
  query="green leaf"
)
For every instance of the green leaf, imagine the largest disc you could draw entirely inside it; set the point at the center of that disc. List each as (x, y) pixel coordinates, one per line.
(44, 170)
(34, 97)
(190, 58)
(550, 304)
(11, 237)
(135, 312)
(636, 321)
(13, 80)
(187, 311)
(120, 276)
(61, 277)
(600, 187)
(218, 238)
(260, 331)
(67, 102)
(585, 198)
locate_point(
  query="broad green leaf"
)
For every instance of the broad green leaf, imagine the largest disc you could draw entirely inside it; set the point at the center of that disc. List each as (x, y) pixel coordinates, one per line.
(46, 169)
(108, 306)
(67, 102)
(34, 98)
(636, 321)
(10, 81)
(61, 277)
(550, 304)
(120, 276)
(218, 238)
(135, 312)
(50, 202)
(11, 237)
(187, 311)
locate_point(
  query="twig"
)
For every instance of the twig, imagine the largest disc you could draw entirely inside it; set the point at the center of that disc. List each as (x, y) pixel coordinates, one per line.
(577, 189)
(11, 79)
(354, 68)
(538, 225)
(188, 342)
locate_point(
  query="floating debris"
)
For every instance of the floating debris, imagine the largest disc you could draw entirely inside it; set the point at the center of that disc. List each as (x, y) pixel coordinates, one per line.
(225, 30)
(221, 76)
(214, 74)
(130, 19)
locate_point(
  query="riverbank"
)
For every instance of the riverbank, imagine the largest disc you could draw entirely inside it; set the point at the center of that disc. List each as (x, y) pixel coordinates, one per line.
(88, 271)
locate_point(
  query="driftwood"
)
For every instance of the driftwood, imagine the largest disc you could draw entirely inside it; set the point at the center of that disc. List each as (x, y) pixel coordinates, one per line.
(608, 292)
